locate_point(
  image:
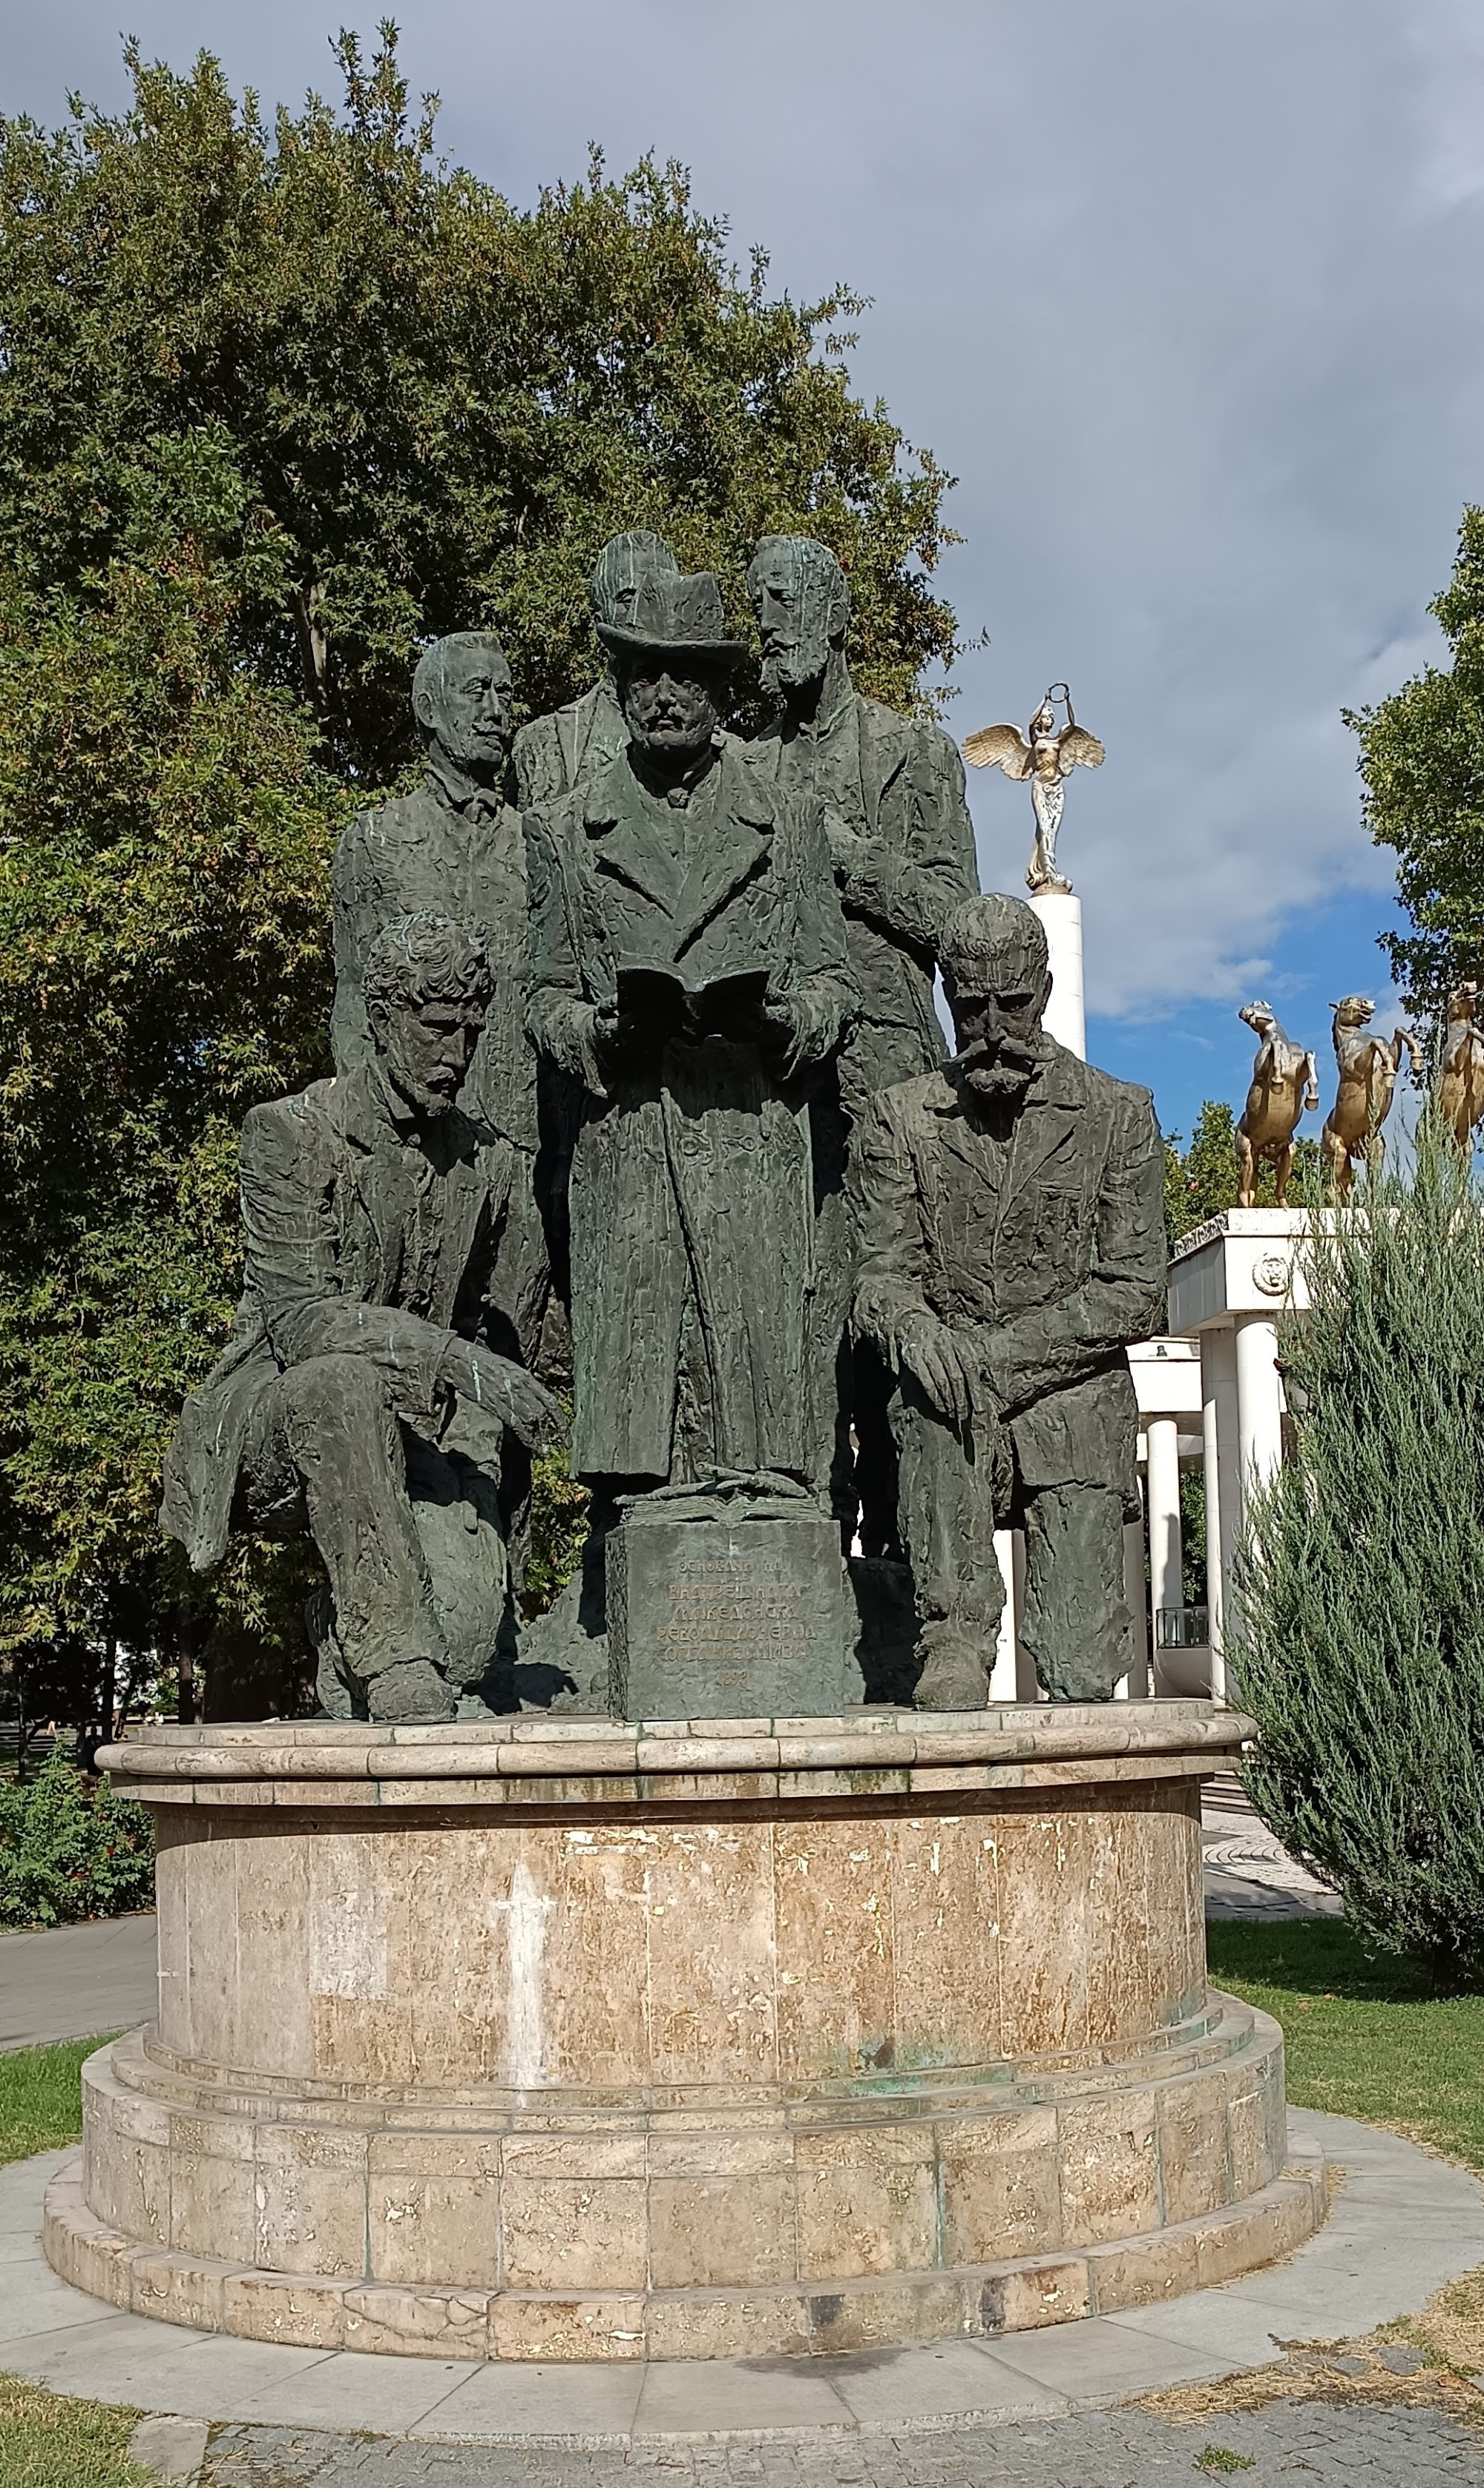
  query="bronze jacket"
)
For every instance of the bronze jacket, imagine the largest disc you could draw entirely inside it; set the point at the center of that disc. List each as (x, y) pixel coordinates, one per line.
(692, 1179)
(1076, 1258)
(351, 1246)
(554, 753)
(898, 784)
(422, 852)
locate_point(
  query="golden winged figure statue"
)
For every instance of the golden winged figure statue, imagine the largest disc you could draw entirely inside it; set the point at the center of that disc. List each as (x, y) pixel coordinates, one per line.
(1045, 757)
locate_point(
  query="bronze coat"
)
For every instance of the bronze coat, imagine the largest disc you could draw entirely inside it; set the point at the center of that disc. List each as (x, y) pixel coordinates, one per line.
(326, 1244)
(695, 1174)
(898, 784)
(1078, 1254)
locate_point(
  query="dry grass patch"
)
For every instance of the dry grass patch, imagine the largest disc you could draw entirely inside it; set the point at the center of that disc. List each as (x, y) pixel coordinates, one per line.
(48, 2442)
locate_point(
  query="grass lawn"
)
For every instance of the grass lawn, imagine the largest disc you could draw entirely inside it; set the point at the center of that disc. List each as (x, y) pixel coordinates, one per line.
(40, 2105)
(48, 2442)
(1363, 2036)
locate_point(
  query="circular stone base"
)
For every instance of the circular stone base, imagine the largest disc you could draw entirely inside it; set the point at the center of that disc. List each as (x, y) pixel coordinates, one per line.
(577, 2040)
(321, 2310)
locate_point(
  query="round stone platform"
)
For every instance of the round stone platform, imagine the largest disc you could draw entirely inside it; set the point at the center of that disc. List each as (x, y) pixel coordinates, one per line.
(563, 2039)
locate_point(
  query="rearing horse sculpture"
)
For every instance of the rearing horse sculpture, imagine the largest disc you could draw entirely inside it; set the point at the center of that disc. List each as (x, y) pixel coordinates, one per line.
(1367, 1067)
(1460, 1099)
(1285, 1082)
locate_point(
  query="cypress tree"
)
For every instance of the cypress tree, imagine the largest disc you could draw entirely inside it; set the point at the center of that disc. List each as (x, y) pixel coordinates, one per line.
(1358, 1645)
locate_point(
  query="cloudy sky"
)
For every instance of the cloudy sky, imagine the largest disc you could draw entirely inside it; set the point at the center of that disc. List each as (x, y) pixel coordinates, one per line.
(1189, 298)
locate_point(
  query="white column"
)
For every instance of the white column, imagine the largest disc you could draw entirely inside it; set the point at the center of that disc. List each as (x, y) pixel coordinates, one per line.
(1003, 1685)
(1259, 1399)
(1134, 1687)
(1223, 1479)
(1216, 1599)
(1061, 913)
(1161, 1491)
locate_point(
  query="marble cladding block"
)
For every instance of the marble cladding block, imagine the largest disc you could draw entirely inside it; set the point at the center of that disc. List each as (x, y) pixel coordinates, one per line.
(702, 2075)
(714, 1618)
(618, 1949)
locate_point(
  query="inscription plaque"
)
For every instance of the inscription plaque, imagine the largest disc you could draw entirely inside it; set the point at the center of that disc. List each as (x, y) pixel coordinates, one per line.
(727, 1614)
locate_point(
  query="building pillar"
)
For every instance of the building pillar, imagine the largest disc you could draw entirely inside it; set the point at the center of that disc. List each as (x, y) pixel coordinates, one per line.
(1259, 1399)
(1135, 1685)
(1161, 1491)
(1061, 913)
(1223, 1481)
(1028, 1684)
(1003, 1682)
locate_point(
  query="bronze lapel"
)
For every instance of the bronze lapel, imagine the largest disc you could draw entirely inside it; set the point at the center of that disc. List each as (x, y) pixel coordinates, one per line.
(476, 1184)
(739, 845)
(1047, 1124)
(625, 843)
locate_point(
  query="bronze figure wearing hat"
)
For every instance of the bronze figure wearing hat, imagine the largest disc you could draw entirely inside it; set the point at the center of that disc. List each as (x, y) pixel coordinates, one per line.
(689, 967)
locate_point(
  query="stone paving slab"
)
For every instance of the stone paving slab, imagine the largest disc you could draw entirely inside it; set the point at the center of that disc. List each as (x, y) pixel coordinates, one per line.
(1403, 2224)
(1289, 2444)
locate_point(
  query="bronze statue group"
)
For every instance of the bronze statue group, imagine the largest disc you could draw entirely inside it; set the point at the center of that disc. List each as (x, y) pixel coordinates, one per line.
(641, 1091)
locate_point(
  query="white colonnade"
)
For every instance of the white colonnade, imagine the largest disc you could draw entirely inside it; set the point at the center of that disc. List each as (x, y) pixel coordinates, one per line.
(1229, 1281)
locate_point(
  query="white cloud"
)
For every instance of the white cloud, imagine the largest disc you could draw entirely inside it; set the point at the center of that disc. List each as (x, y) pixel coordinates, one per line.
(1189, 298)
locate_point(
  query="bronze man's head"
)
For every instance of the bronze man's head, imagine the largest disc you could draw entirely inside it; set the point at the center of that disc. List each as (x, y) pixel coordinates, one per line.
(428, 987)
(672, 661)
(622, 567)
(802, 606)
(995, 974)
(462, 699)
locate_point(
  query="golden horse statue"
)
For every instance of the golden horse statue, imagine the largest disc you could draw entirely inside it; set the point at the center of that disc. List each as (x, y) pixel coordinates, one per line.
(1285, 1082)
(1460, 1094)
(1362, 1100)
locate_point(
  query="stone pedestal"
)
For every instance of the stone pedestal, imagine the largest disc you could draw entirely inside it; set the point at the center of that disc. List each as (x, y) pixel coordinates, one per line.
(717, 1613)
(566, 2039)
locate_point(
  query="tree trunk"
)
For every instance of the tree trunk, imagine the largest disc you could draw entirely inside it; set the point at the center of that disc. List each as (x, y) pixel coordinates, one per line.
(109, 1684)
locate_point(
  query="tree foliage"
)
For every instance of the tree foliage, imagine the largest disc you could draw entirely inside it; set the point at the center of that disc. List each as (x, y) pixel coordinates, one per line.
(1202, 1180)
(70, 1849)
(1358, 1645)
(278, 402)
(438, 406)
(162, 896)
(1422, 763)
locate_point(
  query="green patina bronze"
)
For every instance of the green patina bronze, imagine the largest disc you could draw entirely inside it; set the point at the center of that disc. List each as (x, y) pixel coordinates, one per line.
(649, 1072)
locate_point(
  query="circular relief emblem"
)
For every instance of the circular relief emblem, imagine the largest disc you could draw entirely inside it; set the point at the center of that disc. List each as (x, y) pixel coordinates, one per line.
(1269, 1273)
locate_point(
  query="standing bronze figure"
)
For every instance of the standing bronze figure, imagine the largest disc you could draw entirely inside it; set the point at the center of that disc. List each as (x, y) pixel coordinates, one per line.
(1013, 1245)
(455, 846)
(891, 792)
(688, 969)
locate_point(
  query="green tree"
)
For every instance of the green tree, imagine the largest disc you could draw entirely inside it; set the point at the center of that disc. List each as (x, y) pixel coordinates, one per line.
(278, 402)
(438, 405)
(1422, 762)
(167, 830)
(1358, 1645)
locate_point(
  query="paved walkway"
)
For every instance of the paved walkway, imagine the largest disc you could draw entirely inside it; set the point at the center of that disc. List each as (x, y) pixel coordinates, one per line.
(1248, 1873)
(1293, 2445)
(1403, 2224)
(66, 1982)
